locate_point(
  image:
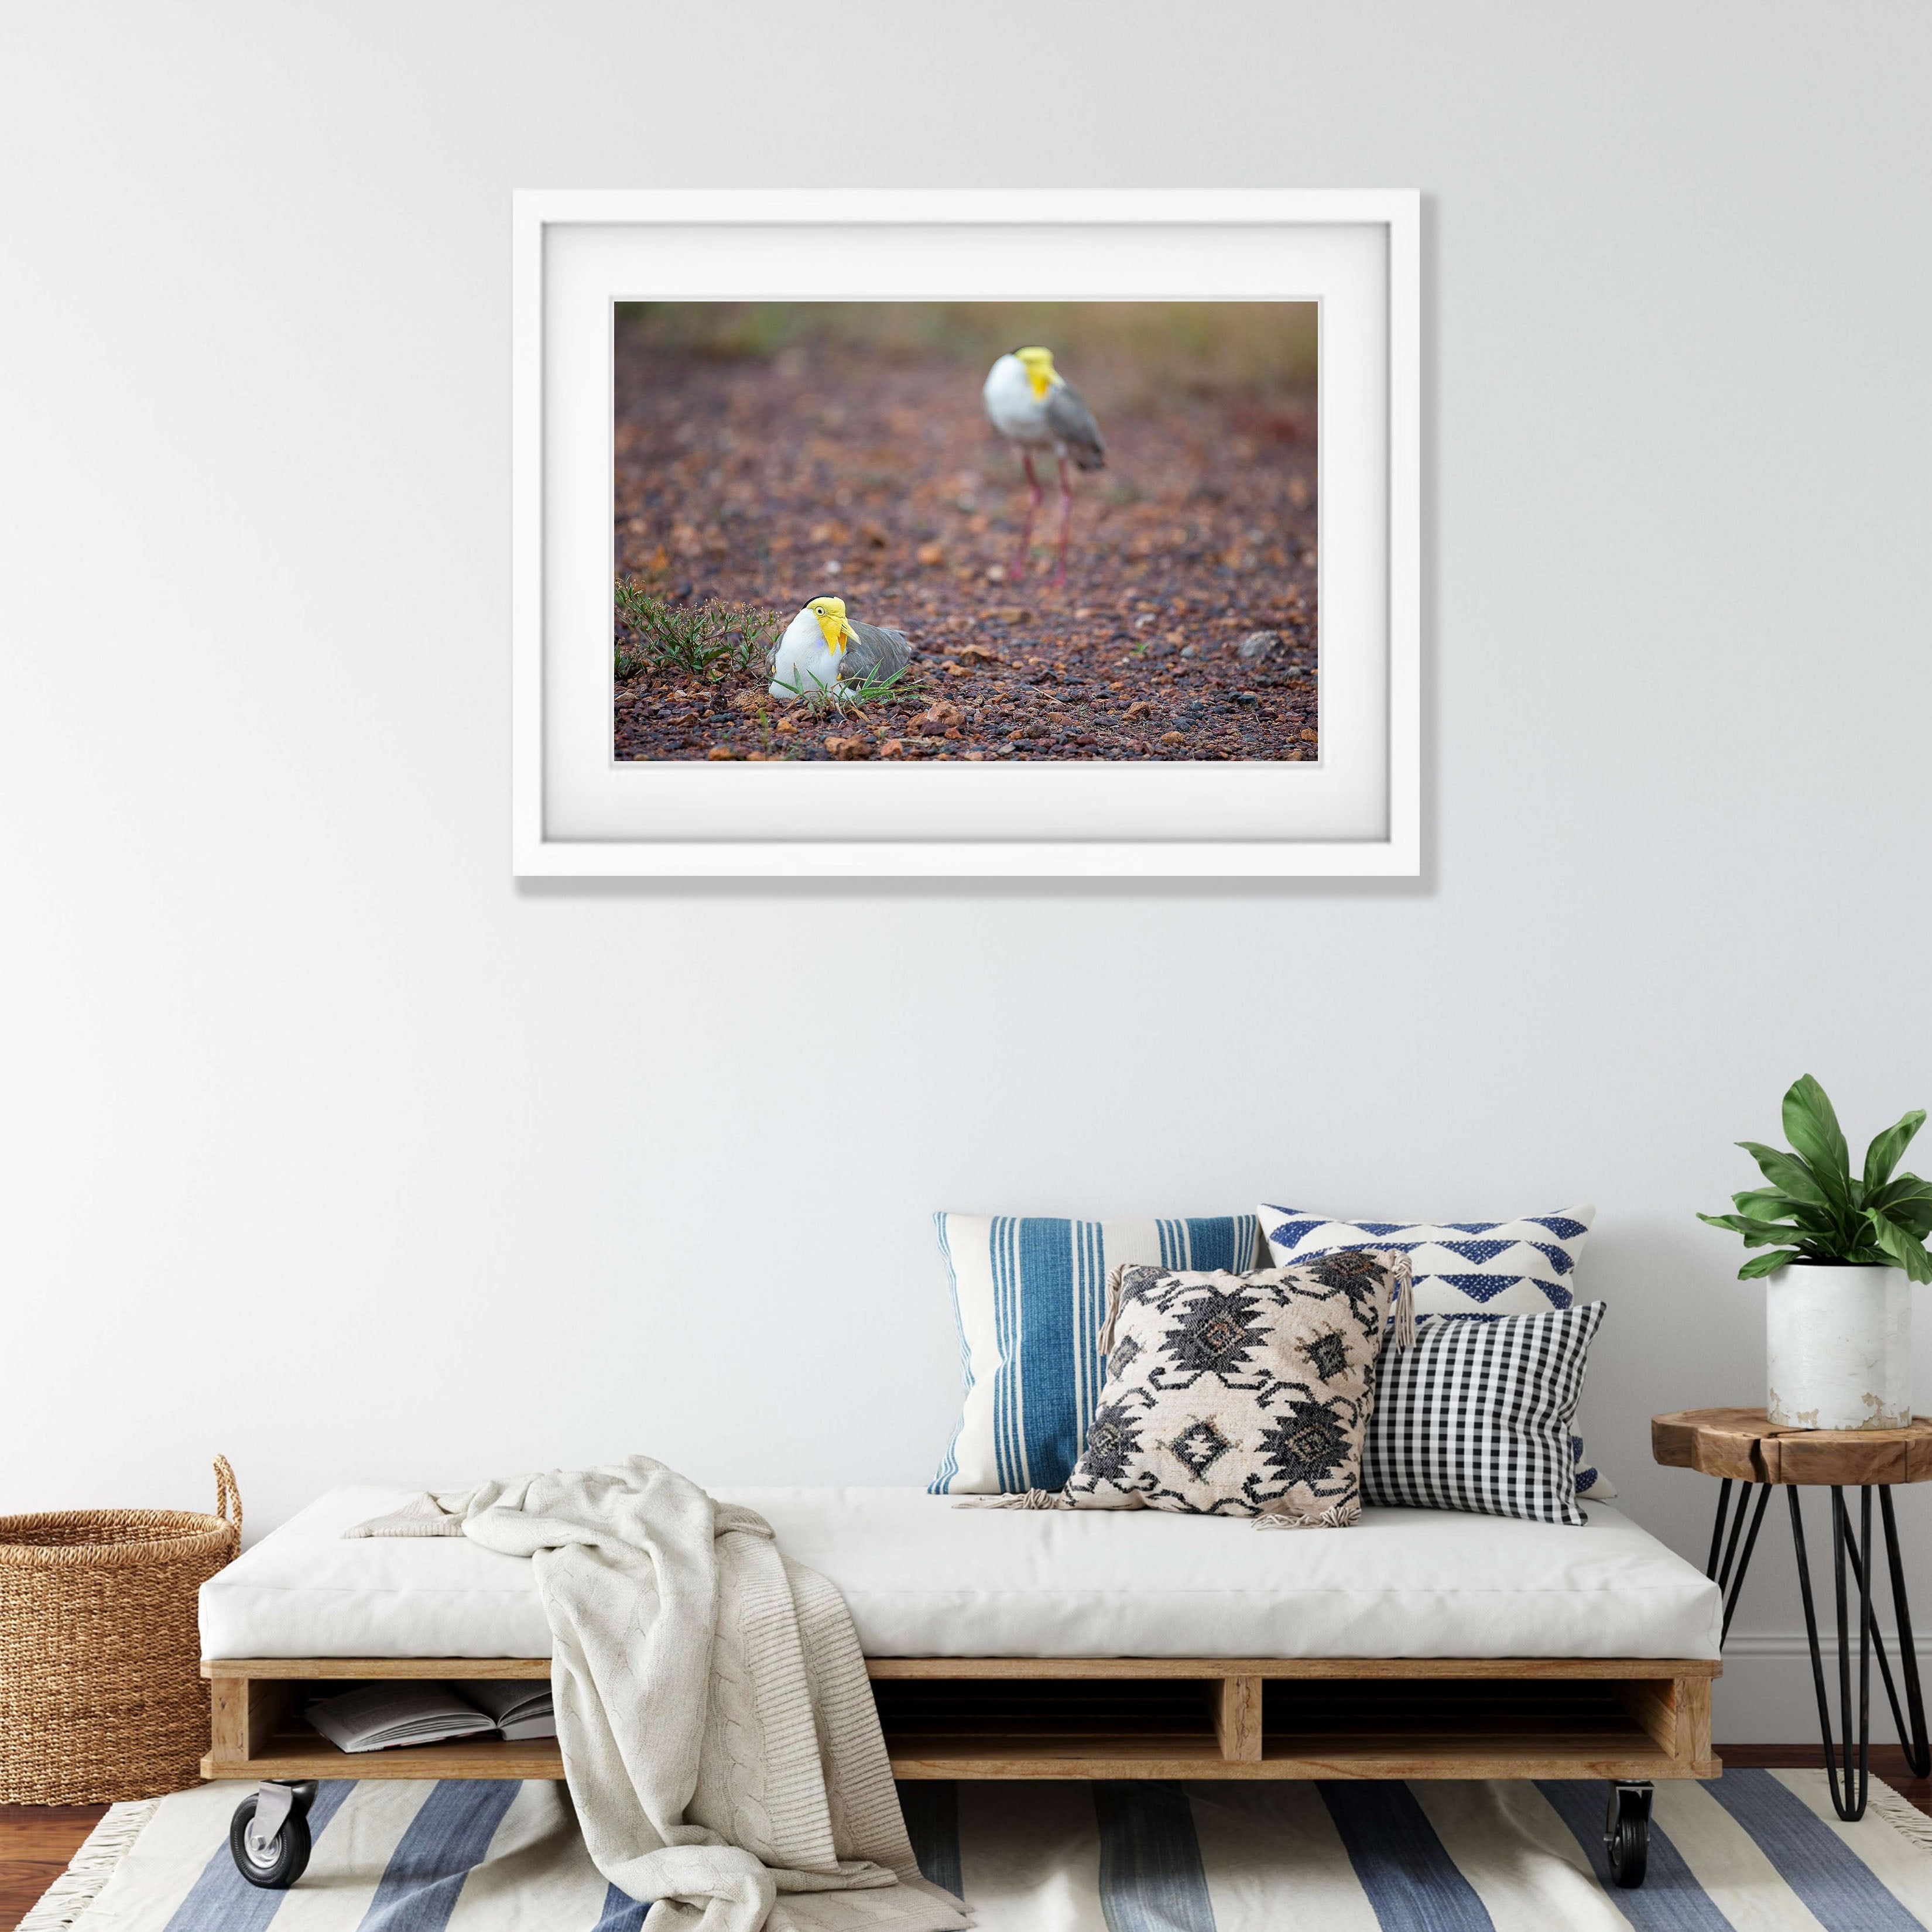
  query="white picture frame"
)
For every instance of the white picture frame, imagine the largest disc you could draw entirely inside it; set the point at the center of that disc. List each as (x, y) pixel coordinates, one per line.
(1353, 811)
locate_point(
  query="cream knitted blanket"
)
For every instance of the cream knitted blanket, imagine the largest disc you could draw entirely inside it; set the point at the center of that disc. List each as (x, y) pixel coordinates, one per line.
(717, 1725)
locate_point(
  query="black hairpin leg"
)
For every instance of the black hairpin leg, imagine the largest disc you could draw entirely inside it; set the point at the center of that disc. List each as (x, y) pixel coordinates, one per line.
(1849, 1759)
(1729, 1575)
(1918, 1752)
(1848, 1800)
(1717, 1527)
(1909, 1722)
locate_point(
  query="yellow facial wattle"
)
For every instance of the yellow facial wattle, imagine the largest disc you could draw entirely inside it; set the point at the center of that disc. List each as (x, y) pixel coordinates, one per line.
(1038, 363)
(831, 624)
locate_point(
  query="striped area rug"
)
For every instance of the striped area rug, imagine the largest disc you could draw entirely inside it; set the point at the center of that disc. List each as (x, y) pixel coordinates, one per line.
(1757, 1852)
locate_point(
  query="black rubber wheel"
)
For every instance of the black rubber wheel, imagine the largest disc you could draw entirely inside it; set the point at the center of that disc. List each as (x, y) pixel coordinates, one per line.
(1626, 1837)
(289, 1855)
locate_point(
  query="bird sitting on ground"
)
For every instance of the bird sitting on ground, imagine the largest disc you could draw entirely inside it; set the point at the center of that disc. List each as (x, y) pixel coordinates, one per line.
(1034, 407)
(822, 651)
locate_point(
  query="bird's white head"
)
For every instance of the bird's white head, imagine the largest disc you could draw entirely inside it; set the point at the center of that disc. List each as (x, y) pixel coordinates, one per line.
(1038, 363)
(830, 612)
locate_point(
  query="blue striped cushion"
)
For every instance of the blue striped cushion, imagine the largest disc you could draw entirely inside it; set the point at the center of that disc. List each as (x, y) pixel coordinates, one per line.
(1030, 1294)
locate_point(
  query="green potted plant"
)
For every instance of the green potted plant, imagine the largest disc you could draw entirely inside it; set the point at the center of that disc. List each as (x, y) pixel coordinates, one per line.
(1842, 1250)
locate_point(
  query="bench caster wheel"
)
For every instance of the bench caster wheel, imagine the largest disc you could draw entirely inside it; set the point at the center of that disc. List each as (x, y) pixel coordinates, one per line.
(1627, 1833)
(268, 1836)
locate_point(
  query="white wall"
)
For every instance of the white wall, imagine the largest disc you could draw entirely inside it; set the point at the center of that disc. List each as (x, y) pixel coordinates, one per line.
(323, 1143)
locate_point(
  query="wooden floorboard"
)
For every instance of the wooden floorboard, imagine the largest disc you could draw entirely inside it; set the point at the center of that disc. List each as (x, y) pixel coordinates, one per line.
(37, 1840)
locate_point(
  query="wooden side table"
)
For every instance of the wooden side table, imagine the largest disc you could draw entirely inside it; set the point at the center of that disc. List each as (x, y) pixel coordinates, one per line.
(1742, 1445)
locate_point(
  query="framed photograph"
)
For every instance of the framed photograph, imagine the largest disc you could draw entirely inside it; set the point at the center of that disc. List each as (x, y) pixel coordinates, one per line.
(975, 534)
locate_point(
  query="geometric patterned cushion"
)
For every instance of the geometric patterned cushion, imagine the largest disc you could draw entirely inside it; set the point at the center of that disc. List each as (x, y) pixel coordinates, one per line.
(1030, 1295)
(1239, 1394)
(1526, 1267)
(1523, 1266)
(1475, 1415)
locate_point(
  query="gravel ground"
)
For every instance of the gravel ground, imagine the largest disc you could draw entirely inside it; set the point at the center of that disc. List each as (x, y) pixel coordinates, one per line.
(1186, 629)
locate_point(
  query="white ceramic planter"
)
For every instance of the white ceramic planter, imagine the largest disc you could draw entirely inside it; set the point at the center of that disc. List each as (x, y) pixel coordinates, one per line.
(1838, 1347)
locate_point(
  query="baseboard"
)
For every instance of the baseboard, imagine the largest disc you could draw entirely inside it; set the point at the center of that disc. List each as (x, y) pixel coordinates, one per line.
(1767, 1696)
(1743, 1646)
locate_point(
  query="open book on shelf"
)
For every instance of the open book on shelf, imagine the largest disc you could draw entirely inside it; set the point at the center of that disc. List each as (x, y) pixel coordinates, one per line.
(380, 1716)
(521, 1708)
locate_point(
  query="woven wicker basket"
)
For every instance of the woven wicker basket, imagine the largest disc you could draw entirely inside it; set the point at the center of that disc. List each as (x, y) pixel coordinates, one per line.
(101, 1696)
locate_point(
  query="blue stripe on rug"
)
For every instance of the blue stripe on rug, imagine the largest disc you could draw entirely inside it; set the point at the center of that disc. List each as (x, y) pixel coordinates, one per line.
(931, 1809)
(1835, 1884)
(428, 1869)
(1150, 1875)
(1670, 1899)
(621, 1912)
(1048, 1294)
(222, 1900)
(1413, 1884)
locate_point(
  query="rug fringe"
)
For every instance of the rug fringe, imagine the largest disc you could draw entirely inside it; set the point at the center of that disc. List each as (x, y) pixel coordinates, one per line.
(90, 1868)
(1900, 1813)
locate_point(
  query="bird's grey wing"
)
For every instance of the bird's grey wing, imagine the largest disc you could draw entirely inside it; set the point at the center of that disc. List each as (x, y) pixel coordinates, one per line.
(1072, 422)
(878, 652)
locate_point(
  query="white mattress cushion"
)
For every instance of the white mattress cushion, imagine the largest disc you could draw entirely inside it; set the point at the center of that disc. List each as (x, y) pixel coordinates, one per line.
(924, 1578)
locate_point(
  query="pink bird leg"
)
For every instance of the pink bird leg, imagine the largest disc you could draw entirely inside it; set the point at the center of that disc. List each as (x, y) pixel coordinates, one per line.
(1066, 521)
(1033, 511)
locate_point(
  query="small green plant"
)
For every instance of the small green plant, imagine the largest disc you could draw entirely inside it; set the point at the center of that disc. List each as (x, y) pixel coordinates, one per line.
(1816, 1210)
(700, 639)
(817, 696)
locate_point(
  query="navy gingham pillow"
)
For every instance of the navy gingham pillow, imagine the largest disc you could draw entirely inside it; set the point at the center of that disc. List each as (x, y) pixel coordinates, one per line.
(1475, 1415)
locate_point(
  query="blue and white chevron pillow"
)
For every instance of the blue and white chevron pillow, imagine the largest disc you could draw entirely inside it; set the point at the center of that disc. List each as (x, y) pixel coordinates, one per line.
(1030, 1294)
(1480, 1269)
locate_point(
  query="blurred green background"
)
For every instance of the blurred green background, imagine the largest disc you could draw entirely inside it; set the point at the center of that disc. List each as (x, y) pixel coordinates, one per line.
(1139, 352)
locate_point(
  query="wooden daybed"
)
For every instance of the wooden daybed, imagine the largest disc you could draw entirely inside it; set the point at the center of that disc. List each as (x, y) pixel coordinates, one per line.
(911, 1568)
(1631, 1718)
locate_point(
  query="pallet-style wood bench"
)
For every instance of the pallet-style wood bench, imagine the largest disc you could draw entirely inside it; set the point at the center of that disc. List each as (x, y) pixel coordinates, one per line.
(1632, 1720)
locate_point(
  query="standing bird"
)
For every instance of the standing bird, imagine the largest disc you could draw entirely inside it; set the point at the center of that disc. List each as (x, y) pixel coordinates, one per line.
(822, 651)
(1033, 406)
